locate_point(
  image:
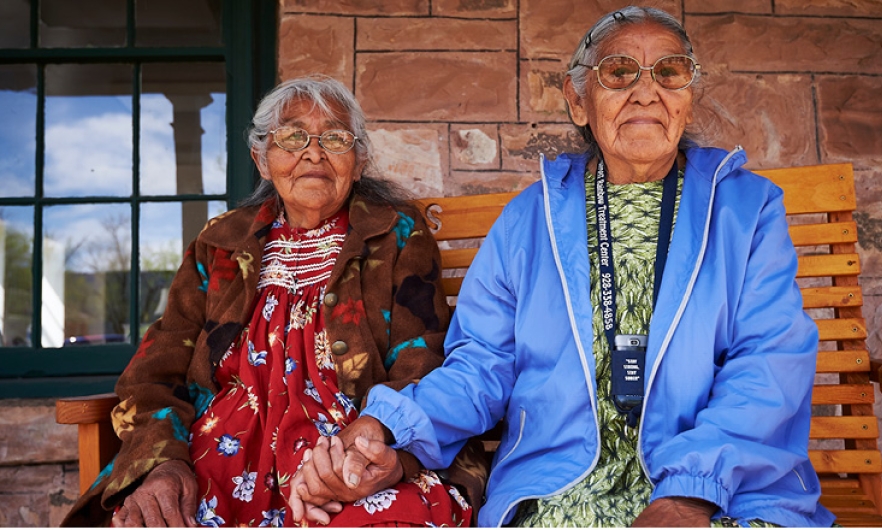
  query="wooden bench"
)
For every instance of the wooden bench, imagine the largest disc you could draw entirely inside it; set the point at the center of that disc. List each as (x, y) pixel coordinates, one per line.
(819, 201)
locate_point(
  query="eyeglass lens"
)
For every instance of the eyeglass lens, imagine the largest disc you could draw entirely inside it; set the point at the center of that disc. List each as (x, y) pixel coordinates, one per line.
(294, 139)
(673, 72)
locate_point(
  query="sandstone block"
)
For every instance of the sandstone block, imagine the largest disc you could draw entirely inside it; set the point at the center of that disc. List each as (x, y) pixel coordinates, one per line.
(787, 44)
(413, 156)
(522, 144)
(316, 44)
(727, 6)
(551, 30)
(442, 86)
(29, 434)
(24, 510)
(835, 8)
(436, 34)
(477, 182)
(474, 147)
(358, 7)
(541, 91)
(771, 116)
(475, 8)
(850, 119)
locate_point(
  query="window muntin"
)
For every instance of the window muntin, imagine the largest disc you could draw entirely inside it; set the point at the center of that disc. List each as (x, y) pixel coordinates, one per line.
(235, 42)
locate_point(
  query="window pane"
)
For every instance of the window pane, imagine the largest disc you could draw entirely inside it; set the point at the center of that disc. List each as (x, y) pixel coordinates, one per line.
(183, 129)
(15, 17)
(66, 24)
(88, 130)
(18, 129)
(86, 270)
(16, 258)
(166, 231)
(178, 23)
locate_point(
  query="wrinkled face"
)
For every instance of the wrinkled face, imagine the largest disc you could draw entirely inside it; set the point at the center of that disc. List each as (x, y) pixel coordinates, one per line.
(312, 183)
(643, 123)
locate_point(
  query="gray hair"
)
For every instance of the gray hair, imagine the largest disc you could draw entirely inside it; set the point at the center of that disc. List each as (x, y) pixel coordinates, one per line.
(325, 93)
(588, 52)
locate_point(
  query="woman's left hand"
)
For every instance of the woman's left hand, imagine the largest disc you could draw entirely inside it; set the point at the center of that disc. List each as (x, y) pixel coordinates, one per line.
(371, 466)
(676, 512)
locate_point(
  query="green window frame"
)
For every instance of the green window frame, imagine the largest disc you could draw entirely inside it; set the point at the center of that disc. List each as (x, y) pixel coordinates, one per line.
(247, 55)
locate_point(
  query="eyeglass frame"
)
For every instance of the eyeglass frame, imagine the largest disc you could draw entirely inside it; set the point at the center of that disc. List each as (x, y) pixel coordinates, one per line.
(309, 138)
(641, 68)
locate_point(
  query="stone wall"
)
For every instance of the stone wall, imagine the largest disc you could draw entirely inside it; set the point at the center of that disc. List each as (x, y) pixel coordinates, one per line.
(463, 95)
(38, 472)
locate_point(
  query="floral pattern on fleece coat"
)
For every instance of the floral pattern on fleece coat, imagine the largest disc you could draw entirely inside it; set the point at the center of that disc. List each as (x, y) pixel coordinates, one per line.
(386, 317)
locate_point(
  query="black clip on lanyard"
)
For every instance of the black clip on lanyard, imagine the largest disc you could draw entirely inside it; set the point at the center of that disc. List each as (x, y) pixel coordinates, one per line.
(628, 351)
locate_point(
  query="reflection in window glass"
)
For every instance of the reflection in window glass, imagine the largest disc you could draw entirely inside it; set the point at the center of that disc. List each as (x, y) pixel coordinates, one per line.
(66, 24)
(16, 285)
(183, 129)
(88, 130)
(164, 237)
(18, 130)
(15, 16)
(178, 23)
(86, 271)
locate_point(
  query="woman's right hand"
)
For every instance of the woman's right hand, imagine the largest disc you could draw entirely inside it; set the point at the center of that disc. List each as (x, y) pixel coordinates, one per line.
(346, 468)
(167, 497)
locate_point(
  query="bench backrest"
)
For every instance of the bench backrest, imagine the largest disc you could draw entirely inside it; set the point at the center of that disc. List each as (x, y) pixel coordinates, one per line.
(819, 201)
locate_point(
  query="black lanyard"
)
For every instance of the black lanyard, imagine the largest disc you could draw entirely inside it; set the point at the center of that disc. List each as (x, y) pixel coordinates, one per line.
(628, 356)
(605, 247)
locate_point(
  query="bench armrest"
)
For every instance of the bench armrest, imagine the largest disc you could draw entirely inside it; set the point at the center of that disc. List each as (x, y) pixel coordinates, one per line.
(97, 443)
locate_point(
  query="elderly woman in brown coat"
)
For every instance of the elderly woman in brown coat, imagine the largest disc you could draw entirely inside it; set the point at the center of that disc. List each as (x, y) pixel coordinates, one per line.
(283, 314)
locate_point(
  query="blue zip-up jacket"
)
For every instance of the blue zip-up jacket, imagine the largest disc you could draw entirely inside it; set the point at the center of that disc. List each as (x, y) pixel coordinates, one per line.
(729, 365)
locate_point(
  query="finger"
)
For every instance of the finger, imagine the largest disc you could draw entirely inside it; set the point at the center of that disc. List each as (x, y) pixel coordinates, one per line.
(151, 512)
(316, 514)
(332, 507)
(354, 464)
(313, 489)
(119, 518)
(376, 451)
(134, 517)
(338, 455)
(190, 500)
(323, 463)
(298, 510)
(169, 502)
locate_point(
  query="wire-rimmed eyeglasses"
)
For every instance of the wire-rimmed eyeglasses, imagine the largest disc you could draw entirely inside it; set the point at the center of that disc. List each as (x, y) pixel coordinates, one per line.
(292, 139)
(619, 72)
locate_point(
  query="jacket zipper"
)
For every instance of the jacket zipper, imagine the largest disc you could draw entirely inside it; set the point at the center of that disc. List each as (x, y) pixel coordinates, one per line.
(681, 308)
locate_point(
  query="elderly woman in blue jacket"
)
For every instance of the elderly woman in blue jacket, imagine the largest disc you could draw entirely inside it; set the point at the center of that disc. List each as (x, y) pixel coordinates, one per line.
(632, 319)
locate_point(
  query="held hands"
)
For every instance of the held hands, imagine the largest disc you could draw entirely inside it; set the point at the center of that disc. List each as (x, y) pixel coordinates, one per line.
(354, 465)
(167, 497)
(676, 512)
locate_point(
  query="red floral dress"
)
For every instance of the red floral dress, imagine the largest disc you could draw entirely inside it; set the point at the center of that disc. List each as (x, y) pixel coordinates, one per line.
(279, 394)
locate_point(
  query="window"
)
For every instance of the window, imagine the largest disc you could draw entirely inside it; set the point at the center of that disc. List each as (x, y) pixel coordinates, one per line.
(121, 137)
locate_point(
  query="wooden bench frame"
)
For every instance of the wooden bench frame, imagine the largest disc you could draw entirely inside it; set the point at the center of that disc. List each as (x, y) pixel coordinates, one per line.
(819, 201)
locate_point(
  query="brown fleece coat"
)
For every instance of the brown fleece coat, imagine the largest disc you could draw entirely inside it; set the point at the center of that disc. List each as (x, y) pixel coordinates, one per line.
(385, 315)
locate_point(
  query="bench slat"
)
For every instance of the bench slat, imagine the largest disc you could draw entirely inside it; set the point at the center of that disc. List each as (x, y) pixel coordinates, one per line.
(815, 189)
(841, 328)
(843, 361)
(832, 296)
(825, 265)
(834, 427)
(846, 461)
(810, 235)
(843, 394)
(464, 217)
